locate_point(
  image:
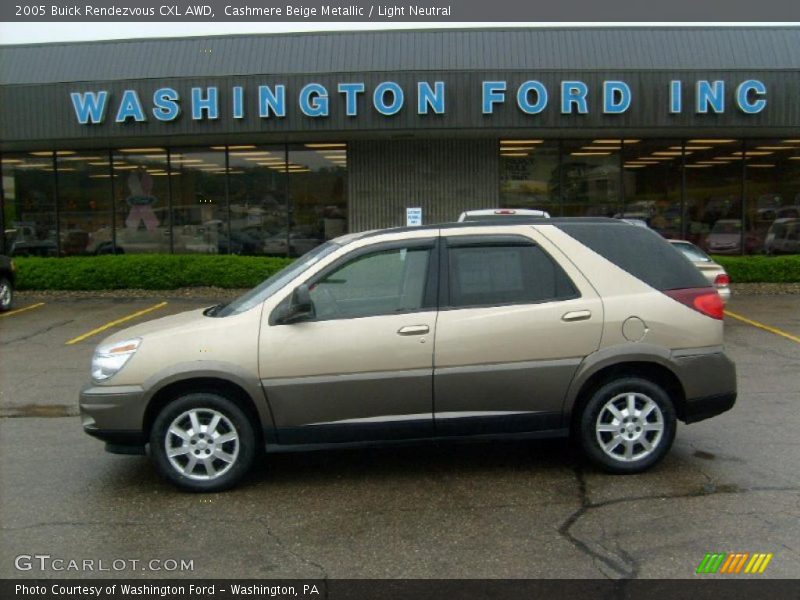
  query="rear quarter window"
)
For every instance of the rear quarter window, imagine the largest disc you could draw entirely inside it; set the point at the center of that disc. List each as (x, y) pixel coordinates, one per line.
(639, 251)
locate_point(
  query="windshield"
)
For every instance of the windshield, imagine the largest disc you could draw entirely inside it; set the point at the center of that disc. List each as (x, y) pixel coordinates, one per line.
(692, 252)
(727, 227)
(269, 286)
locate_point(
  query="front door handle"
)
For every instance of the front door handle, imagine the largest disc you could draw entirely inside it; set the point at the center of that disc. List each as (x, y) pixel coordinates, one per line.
(413, 330)
(577, 315)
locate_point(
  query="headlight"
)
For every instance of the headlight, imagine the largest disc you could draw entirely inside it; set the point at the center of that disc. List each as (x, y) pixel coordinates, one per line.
(107, 360)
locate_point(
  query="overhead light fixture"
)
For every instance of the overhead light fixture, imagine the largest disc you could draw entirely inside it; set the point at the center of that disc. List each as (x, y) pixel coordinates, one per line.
(613, 141)
(760, 165)
(187, 160)
(99, 176)
(33, 166)
(125, 167)
(102, 163)
(691, 147)
(141, 150)
(775, 148)
(602, 147)
(259, 153)
(63, 169)
(631, 141)
(77, 158)
(57, 153)
(156, 156)
(668, 153)
(635, 166)
(590, 153)
(233, 147)
(337, 145)
(513, 154)
(519, 142)
(710, 162)
(11, 161)
(791, 141)
(698, 166)
(710, 141)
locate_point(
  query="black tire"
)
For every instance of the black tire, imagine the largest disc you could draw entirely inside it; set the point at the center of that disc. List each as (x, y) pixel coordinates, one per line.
(206, 406)
(6, 293)
(615, 393)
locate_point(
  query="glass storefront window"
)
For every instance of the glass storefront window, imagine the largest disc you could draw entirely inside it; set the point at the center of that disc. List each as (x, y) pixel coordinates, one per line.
(29, 204)
(652, 184)
(318, 194)
(141, 199)
(85, 202)
(257, 194)
(529, 175)
(713, 194)
(199, 211)
(772, 192)
(590, 175)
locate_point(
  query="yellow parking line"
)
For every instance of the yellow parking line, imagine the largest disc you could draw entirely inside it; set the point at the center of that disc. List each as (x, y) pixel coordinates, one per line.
(774, 330)
(111, 324)
(19, 310)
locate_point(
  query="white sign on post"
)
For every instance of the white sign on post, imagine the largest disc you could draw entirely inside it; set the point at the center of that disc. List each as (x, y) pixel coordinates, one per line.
(413, 217)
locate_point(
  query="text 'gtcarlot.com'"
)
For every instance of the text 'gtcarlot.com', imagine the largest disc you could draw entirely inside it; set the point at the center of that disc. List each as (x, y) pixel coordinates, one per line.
(46, 562)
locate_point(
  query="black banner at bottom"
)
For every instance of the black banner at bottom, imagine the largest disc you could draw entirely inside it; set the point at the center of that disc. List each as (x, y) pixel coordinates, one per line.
(397, 589)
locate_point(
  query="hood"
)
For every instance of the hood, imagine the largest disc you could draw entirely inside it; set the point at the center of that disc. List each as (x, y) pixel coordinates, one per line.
(170, 325)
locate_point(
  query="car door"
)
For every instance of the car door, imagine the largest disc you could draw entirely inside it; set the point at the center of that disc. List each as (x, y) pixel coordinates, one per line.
(513, 327)
(362, 367)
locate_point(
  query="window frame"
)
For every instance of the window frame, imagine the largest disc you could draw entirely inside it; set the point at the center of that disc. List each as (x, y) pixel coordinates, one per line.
(430, 297)
(492, 240)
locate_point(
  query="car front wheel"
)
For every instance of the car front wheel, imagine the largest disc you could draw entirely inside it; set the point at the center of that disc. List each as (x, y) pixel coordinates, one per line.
(628, 425)
(203, 442)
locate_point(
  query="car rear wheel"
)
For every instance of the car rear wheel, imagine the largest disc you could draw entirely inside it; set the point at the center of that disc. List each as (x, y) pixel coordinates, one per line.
(203, 442)
(628, 425)
(6, 293)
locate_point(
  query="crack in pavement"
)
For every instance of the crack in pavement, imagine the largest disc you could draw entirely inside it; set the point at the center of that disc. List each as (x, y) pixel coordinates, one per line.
(39, 332)
(627, 567)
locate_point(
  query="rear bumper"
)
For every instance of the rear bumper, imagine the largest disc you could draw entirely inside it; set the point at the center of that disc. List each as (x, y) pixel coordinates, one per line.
(709, 383)
(114, 414)
(699, 409)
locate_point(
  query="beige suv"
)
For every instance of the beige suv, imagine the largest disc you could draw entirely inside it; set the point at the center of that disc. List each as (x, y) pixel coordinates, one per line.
(585, 326)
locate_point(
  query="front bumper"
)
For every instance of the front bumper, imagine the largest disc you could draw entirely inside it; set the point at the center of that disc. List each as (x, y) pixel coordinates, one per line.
(114, 414)
(709, 382)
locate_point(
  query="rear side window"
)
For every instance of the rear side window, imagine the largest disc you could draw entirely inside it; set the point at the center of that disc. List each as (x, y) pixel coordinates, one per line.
(495, 274)
(639, 251)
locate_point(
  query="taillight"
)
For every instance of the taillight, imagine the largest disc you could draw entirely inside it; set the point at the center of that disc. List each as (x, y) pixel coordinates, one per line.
(505, 211)
(722, 280)
(703, 300)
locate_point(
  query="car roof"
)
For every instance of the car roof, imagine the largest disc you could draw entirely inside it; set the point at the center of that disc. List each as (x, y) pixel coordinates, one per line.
(498, 223)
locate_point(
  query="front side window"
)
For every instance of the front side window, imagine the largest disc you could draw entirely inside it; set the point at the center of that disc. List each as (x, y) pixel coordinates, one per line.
(380, 283)
(486, 275)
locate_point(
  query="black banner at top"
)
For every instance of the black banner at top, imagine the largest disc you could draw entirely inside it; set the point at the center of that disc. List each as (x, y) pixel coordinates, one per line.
(417, 11)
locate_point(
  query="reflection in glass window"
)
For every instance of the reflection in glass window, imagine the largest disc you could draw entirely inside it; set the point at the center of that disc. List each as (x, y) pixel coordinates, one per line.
(141, 200)
(85, 202)
(591, 177)
(772, 192)
(713, 195)
(389, 282)
(318, 192)
(652, 185)
(29, 204)
(199, 211)
(257, 196)
(529, 175)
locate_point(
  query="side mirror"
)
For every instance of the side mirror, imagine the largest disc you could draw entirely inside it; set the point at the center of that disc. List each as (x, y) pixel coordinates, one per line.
(300, 307)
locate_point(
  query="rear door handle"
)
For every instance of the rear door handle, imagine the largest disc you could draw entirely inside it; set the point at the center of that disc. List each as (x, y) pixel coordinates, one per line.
(577, 315)
(413, 330)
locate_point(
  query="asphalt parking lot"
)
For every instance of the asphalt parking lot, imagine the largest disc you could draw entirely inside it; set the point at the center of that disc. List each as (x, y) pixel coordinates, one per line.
(482, 510)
